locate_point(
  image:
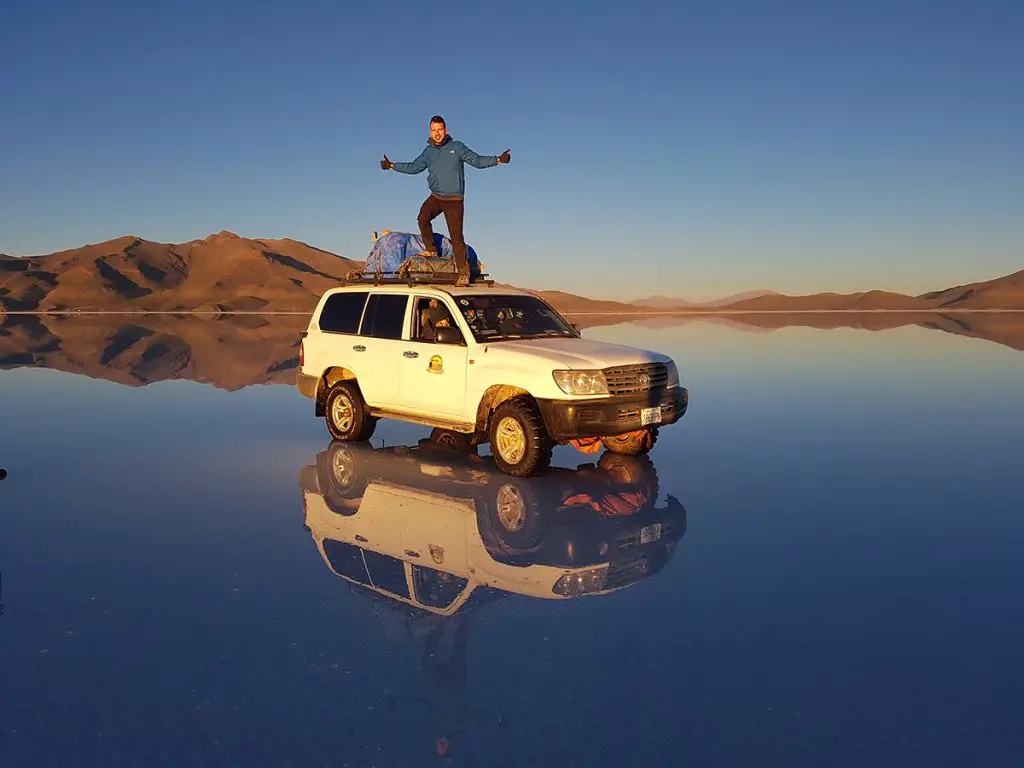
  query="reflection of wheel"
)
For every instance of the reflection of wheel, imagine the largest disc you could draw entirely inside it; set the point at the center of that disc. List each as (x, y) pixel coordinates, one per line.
(347, 419)
(514, 516)
(519, 441)
(632, 470)
(510, 508)
(633, 444)
(339, 478)
(450, 440)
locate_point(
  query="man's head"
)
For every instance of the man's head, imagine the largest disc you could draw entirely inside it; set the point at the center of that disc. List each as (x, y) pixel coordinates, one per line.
(438, 129)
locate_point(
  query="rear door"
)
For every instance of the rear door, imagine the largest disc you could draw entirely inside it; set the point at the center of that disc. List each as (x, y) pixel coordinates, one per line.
(338, 324)
(380, 346)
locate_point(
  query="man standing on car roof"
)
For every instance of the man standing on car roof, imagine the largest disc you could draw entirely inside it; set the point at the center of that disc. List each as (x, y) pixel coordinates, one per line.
(443, 158)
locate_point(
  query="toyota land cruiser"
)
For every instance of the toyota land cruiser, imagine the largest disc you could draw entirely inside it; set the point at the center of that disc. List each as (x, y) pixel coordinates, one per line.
(498, 365)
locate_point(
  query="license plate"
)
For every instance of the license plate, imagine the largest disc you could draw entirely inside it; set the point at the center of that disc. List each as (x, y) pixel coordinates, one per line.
(650, 415)
(650, 533)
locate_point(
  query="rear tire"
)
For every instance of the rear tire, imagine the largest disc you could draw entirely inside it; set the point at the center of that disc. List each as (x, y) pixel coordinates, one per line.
(632, 444)
(519, 442)
(346, 414)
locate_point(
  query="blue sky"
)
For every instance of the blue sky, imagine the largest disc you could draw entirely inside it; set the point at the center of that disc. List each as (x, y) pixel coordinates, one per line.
(691, 149)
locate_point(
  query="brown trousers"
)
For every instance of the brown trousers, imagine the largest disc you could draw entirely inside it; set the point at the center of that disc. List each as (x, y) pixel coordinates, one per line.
(453, 212)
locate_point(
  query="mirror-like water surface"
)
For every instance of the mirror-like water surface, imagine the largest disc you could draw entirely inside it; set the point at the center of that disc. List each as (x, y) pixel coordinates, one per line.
(820, 564)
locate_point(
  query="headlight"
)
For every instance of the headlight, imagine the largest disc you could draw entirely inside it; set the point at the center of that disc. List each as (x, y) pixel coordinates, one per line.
(582, 582)
(673, 375)
(581, 382)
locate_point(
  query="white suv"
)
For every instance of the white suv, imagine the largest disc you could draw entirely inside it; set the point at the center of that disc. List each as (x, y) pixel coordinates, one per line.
(497, 365)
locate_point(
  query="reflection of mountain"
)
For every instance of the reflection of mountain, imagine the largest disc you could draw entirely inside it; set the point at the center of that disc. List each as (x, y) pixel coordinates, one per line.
(1006, 328)
(426, 526)
(234, 351)
(228, 352)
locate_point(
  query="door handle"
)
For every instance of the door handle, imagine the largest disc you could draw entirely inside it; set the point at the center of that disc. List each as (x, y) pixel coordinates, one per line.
(411, 354)
(358, 348)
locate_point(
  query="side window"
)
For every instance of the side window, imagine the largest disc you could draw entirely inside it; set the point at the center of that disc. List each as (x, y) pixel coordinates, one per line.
(436, 589)
(346, 560)
(341, 313)
(386, 572)
(385, 316)
(428, 315)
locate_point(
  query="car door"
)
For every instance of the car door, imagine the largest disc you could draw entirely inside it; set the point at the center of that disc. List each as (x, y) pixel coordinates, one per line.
(338, 326)
(380, 347)
(433, 376)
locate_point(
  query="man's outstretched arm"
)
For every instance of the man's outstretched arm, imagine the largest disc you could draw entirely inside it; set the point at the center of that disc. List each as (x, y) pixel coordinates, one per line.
(483, 161)
(416, 166)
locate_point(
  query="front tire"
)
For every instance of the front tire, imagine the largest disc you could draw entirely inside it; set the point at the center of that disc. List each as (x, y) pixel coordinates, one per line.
(519, 442)
(633, 444)
(346, 414)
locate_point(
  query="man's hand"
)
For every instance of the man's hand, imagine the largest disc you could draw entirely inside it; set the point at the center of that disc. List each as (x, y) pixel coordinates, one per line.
(385, 164)
(505, 157)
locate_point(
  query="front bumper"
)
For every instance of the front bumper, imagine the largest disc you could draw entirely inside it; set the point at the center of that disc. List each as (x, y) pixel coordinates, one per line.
(603, 417)
(306, 384)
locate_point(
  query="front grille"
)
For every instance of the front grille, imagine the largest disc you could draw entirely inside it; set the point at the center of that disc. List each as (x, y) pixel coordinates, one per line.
(626, 572)
(629, 379)
(632, 541)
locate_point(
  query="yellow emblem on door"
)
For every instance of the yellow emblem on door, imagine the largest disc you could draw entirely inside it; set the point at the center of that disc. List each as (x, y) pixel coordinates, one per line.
(436, 364)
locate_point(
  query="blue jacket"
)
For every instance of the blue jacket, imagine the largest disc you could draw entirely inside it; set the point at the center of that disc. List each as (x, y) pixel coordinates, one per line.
(444, 165)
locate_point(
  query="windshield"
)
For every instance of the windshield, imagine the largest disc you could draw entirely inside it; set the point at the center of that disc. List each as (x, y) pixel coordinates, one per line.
(496, 318)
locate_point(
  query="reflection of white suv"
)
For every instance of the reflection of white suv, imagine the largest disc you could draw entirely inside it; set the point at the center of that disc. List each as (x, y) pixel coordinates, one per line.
(498, 365)
(427, 526)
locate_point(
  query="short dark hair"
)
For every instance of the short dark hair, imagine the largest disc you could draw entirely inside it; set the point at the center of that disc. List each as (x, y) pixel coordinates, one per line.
(438, 119)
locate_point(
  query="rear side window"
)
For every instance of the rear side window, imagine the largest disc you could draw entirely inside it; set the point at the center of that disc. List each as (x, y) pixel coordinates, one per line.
(341, 312)
(385, 316)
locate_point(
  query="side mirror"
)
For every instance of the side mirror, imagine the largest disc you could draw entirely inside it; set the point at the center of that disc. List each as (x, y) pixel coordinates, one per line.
(447, 335)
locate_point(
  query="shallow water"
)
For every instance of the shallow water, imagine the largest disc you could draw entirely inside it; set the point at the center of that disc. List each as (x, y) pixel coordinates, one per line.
(825, 570)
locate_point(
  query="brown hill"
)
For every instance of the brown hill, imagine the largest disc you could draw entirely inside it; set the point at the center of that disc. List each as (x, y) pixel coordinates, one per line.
(570, 303)
(221, 272)
(830, 302)
(1006, 293)
(1002, 293)
(225, 272)
(670, 303)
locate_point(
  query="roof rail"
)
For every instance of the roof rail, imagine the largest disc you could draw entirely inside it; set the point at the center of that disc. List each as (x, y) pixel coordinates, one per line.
(411, 278)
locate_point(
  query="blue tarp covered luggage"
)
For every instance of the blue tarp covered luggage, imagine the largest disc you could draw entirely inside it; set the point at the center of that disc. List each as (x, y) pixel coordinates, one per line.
(395, 249)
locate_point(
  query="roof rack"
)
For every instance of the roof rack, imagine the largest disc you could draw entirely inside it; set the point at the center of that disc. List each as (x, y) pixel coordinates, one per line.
(411, 278)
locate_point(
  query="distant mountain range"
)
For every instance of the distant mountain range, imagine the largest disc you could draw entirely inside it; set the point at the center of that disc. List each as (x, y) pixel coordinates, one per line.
(669, 303)
(228, 273)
